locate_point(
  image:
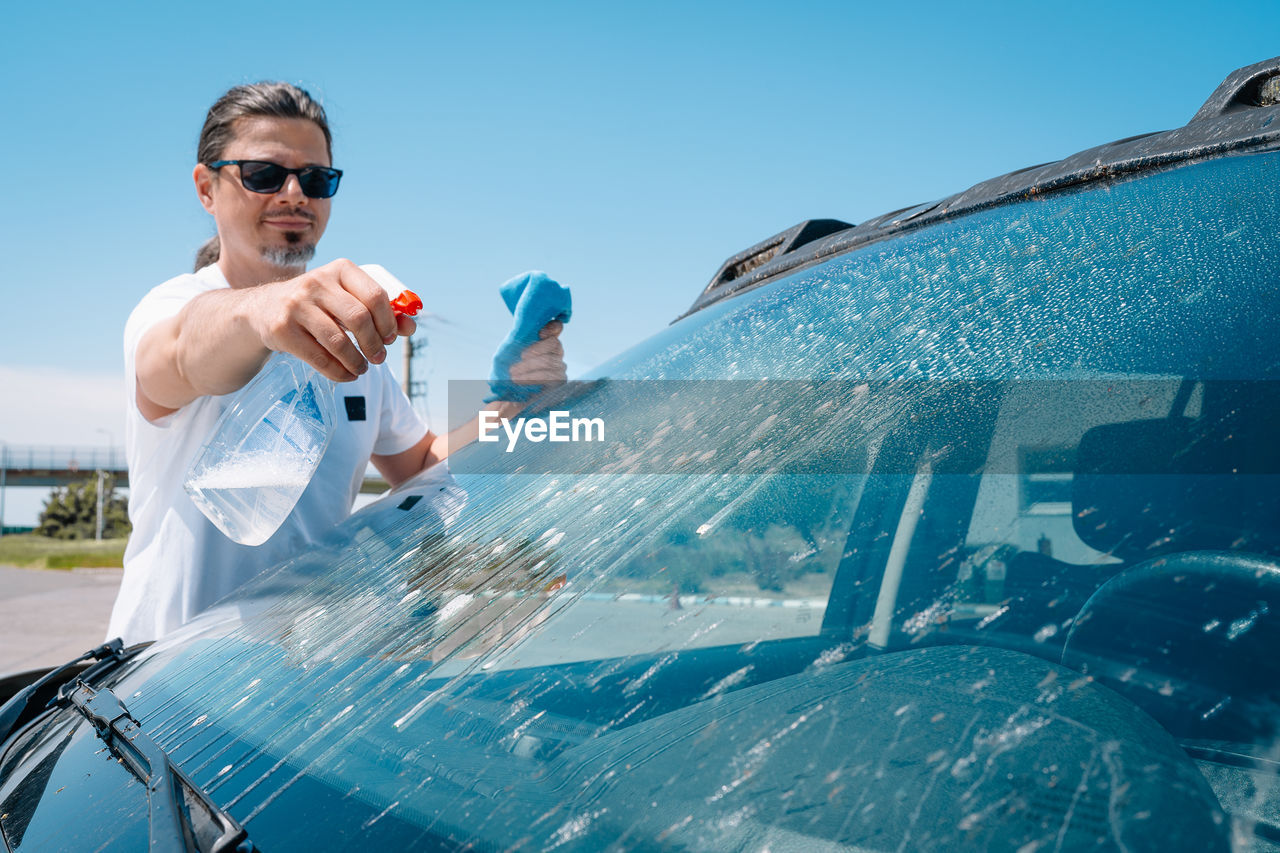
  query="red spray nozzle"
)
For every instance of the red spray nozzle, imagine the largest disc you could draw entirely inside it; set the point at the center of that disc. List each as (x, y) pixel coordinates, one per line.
(407, 303)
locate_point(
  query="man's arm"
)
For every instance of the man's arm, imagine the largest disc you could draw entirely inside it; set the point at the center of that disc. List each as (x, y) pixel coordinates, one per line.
(541, 363)
(219, 340)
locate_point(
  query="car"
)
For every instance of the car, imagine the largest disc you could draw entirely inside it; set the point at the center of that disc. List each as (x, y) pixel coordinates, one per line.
(955, 529)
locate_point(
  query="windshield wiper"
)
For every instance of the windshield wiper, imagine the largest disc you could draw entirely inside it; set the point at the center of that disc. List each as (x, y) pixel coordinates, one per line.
(108, 655)
(181, 815)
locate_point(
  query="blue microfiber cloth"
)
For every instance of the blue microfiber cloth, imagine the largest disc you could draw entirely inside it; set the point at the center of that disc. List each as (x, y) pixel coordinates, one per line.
(535, 299)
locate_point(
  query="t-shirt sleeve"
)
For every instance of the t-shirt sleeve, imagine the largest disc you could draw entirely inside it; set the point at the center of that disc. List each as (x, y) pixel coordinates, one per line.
(160, 303)
(399, 425)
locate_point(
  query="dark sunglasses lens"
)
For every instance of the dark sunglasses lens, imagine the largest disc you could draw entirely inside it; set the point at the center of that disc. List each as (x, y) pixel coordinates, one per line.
(319, 183)
(262, 177)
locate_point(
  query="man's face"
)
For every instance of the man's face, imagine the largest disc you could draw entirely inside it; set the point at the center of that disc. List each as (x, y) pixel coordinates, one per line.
(267, 235)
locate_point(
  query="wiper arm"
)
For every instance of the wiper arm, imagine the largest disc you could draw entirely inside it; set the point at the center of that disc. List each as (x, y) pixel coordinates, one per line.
(108, 655)
(182, 817)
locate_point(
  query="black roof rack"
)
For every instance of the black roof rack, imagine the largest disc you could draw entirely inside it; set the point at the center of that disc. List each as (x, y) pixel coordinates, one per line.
(1241, 113)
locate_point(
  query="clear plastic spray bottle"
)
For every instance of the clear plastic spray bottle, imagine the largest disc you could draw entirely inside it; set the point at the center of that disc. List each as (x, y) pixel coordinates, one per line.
(266, 447)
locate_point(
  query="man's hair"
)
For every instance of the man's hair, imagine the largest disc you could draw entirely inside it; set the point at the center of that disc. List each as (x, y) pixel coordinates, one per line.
(272, 99)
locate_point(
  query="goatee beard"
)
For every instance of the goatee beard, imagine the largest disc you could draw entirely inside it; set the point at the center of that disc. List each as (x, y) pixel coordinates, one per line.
(289, 257)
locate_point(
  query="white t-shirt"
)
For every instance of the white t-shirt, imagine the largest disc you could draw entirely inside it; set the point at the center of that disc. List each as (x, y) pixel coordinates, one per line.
(177, 562)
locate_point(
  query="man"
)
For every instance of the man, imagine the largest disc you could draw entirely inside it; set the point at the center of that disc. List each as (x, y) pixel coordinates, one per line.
(265, 174)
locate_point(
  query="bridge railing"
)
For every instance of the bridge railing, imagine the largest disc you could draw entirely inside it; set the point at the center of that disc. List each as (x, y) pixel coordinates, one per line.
(18, 457)
(45, 465)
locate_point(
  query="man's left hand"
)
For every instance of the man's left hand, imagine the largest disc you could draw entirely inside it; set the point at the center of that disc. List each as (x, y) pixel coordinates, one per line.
(542, 362)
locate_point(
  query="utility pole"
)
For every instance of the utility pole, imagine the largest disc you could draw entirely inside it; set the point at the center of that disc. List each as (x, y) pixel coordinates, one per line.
(102, 475)
(408, 364)
(4, 476)
(415, 380)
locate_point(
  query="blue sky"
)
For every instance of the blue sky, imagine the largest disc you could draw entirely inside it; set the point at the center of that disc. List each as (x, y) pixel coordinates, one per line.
(625, 149)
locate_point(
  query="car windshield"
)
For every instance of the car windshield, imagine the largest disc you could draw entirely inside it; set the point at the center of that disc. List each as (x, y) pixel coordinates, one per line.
(1025, 454)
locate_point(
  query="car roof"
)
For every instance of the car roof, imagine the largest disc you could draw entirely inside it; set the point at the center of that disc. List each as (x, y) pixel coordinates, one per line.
(1240, 115)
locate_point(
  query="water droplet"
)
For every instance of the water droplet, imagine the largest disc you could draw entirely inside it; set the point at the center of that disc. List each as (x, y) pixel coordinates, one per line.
(1240, 626)
(1045, 633)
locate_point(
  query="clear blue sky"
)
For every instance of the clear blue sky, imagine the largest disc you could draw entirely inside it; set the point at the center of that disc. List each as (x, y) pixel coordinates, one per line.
(625, 149)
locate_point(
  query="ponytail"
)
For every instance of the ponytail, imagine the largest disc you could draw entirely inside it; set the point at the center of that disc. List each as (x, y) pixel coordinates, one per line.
(208, 253)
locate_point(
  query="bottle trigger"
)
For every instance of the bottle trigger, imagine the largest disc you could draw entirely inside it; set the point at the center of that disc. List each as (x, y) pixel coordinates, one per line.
(403, 300)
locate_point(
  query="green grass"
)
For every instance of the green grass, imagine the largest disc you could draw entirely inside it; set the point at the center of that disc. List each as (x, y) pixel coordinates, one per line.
(30, 550)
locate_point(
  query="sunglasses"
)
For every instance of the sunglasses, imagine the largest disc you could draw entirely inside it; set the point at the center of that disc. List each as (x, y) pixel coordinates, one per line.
(261, 176)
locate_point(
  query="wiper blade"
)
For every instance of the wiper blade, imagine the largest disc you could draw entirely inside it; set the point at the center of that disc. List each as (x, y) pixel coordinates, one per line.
(182, 817)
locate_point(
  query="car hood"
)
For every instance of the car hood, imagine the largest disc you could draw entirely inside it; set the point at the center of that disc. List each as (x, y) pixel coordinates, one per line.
(983, 748)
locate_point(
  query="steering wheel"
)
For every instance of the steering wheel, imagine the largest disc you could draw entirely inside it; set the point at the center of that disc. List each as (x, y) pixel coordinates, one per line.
(1191, 638)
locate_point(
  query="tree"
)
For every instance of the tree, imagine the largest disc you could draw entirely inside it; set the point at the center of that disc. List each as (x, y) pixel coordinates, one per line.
(71, 512)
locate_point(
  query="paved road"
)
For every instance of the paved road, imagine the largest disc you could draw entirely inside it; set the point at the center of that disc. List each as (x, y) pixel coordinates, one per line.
(48, 617)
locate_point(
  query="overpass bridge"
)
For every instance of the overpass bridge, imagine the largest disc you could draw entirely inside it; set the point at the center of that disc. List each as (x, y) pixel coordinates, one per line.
(55, 465)
(47, 465)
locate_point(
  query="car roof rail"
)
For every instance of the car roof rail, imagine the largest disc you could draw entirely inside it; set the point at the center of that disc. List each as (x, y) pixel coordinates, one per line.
(1240, 114)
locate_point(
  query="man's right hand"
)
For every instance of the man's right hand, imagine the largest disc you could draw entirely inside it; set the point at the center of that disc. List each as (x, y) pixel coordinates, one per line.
(309, 317)
(220, 340)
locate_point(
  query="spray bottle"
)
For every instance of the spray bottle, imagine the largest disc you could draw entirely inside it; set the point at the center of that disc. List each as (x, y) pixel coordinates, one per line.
(266, 447)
